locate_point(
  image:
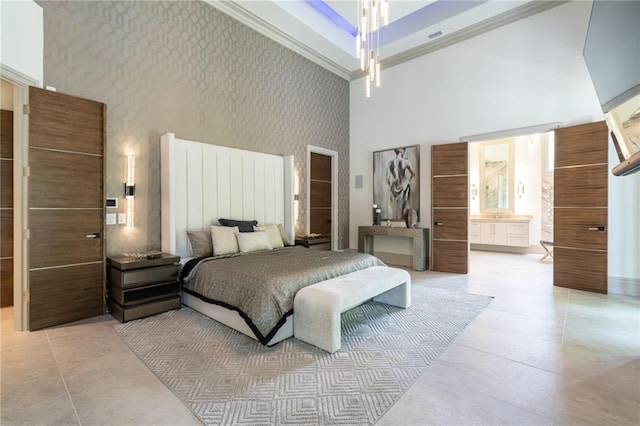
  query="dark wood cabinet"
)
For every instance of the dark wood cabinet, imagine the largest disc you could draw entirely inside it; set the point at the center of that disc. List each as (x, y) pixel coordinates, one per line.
(139, 287)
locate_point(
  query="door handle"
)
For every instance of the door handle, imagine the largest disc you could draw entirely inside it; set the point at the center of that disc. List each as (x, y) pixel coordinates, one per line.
(94, 235)
(597, 228)
(439, 223)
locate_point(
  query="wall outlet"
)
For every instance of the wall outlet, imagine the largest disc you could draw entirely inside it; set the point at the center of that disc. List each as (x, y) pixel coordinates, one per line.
(122, 218)
(111, 219)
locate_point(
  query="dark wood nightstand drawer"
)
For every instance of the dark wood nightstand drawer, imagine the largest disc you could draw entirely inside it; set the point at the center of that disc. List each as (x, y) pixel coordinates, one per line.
(129, 313)
(138, 295)
(138, 277)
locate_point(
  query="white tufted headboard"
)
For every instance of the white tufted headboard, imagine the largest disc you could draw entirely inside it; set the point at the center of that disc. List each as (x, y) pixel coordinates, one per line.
(203, 182)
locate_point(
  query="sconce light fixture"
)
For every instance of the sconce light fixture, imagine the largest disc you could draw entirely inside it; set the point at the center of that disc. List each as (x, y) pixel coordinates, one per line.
(130, 188)
(474, 191)
(520, 189)
(296, 196)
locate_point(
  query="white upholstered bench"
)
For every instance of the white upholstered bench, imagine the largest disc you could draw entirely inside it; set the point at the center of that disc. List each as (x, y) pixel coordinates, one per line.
(317, 308)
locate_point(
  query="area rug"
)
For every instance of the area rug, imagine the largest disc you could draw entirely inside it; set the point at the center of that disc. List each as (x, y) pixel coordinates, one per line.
(227, 378)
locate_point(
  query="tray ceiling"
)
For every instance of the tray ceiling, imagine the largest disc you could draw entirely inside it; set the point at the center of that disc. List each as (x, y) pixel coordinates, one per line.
(323, 31)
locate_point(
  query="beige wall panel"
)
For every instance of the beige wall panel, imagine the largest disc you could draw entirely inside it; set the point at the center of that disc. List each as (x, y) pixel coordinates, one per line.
(212, 79)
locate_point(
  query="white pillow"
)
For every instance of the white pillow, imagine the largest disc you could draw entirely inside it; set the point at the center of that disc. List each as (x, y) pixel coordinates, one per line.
(224, 239)
(253, 241)
(284, 236)
(273, 233)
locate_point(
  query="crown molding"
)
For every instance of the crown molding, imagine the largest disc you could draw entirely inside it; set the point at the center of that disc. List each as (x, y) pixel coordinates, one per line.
(263, 27)
(513, 15)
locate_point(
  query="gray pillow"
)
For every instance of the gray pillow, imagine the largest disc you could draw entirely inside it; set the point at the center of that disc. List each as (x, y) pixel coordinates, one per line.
(243, 225)
(200, 241)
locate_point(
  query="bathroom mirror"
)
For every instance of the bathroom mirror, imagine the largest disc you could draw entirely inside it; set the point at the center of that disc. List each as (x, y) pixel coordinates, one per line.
(496, 176)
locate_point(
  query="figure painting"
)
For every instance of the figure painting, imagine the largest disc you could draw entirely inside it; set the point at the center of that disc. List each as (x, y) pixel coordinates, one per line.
(396, 183)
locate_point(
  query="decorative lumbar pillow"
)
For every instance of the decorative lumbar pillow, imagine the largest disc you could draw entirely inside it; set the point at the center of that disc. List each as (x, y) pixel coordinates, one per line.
(284, 236)
(272, 233)
(243, 225)
(253, 241)
(224, 239)
(200, 241)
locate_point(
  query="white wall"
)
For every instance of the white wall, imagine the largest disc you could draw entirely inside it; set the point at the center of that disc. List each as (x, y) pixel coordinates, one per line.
(22, 44)
(524, 74)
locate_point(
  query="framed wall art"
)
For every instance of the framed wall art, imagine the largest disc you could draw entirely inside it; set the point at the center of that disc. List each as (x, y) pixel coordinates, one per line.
(396, 181)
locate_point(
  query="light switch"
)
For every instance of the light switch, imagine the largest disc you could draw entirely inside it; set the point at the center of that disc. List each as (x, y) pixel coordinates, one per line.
(122, 218)
(111, 218)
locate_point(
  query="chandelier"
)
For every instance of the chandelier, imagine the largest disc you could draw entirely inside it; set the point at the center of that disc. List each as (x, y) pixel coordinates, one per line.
(372, 14)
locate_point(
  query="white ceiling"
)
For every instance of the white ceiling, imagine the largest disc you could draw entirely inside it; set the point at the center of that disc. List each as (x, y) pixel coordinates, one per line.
(300, 26)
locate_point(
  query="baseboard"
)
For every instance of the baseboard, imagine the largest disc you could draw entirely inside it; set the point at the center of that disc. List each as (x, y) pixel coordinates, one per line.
(626, 286)
(535, 249)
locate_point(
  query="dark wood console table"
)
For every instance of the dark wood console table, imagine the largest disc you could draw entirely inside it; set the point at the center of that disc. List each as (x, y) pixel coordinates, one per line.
(419, 237)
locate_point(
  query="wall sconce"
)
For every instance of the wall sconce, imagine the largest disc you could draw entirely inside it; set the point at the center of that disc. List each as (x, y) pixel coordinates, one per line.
(130, 188)
(474, 191)
(520, 189)
(296, 196)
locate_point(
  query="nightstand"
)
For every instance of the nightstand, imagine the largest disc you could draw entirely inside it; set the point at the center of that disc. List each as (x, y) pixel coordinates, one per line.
(322, 242)
(139, 287)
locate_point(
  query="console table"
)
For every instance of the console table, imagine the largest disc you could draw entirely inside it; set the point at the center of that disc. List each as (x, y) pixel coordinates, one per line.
(419, 237)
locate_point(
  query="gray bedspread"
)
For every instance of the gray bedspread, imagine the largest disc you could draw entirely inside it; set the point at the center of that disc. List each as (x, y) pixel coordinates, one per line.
(261, 285)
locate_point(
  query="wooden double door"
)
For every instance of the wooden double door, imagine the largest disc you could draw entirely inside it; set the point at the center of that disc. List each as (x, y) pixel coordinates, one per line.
(580, 207)
(66, 267)
(450, 207)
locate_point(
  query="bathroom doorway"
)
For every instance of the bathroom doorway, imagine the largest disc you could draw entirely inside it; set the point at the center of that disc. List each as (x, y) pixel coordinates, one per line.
(511, 193)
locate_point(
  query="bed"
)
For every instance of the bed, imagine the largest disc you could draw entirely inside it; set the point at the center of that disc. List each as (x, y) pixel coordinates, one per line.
(253, 291)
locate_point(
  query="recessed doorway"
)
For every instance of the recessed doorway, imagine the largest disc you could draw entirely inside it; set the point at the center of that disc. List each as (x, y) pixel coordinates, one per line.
(322, 203)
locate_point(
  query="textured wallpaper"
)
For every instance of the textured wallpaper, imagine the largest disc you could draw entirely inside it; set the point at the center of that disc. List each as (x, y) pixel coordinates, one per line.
(185, 67)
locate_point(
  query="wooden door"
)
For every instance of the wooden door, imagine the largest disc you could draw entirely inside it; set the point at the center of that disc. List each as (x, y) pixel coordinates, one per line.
(450, 208)
(580, 207)
(6, 208)
(66, 200)
(320, 199)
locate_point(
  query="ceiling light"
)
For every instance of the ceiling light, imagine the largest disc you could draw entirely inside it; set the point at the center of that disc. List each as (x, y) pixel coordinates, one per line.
(372, 14)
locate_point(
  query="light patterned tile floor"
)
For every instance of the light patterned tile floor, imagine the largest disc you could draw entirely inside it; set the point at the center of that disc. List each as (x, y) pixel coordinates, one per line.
(537, 355)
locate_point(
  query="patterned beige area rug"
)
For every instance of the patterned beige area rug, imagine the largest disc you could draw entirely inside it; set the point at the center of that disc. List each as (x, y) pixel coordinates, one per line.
(227, 378)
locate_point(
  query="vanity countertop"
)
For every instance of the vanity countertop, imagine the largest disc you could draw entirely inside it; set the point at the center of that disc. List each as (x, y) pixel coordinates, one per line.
(502, 218)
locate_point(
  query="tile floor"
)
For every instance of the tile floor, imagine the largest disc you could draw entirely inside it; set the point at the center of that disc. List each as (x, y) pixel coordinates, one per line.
(537, 355)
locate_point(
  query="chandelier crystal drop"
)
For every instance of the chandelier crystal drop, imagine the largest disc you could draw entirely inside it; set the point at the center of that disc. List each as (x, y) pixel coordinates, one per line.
(372, 15)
